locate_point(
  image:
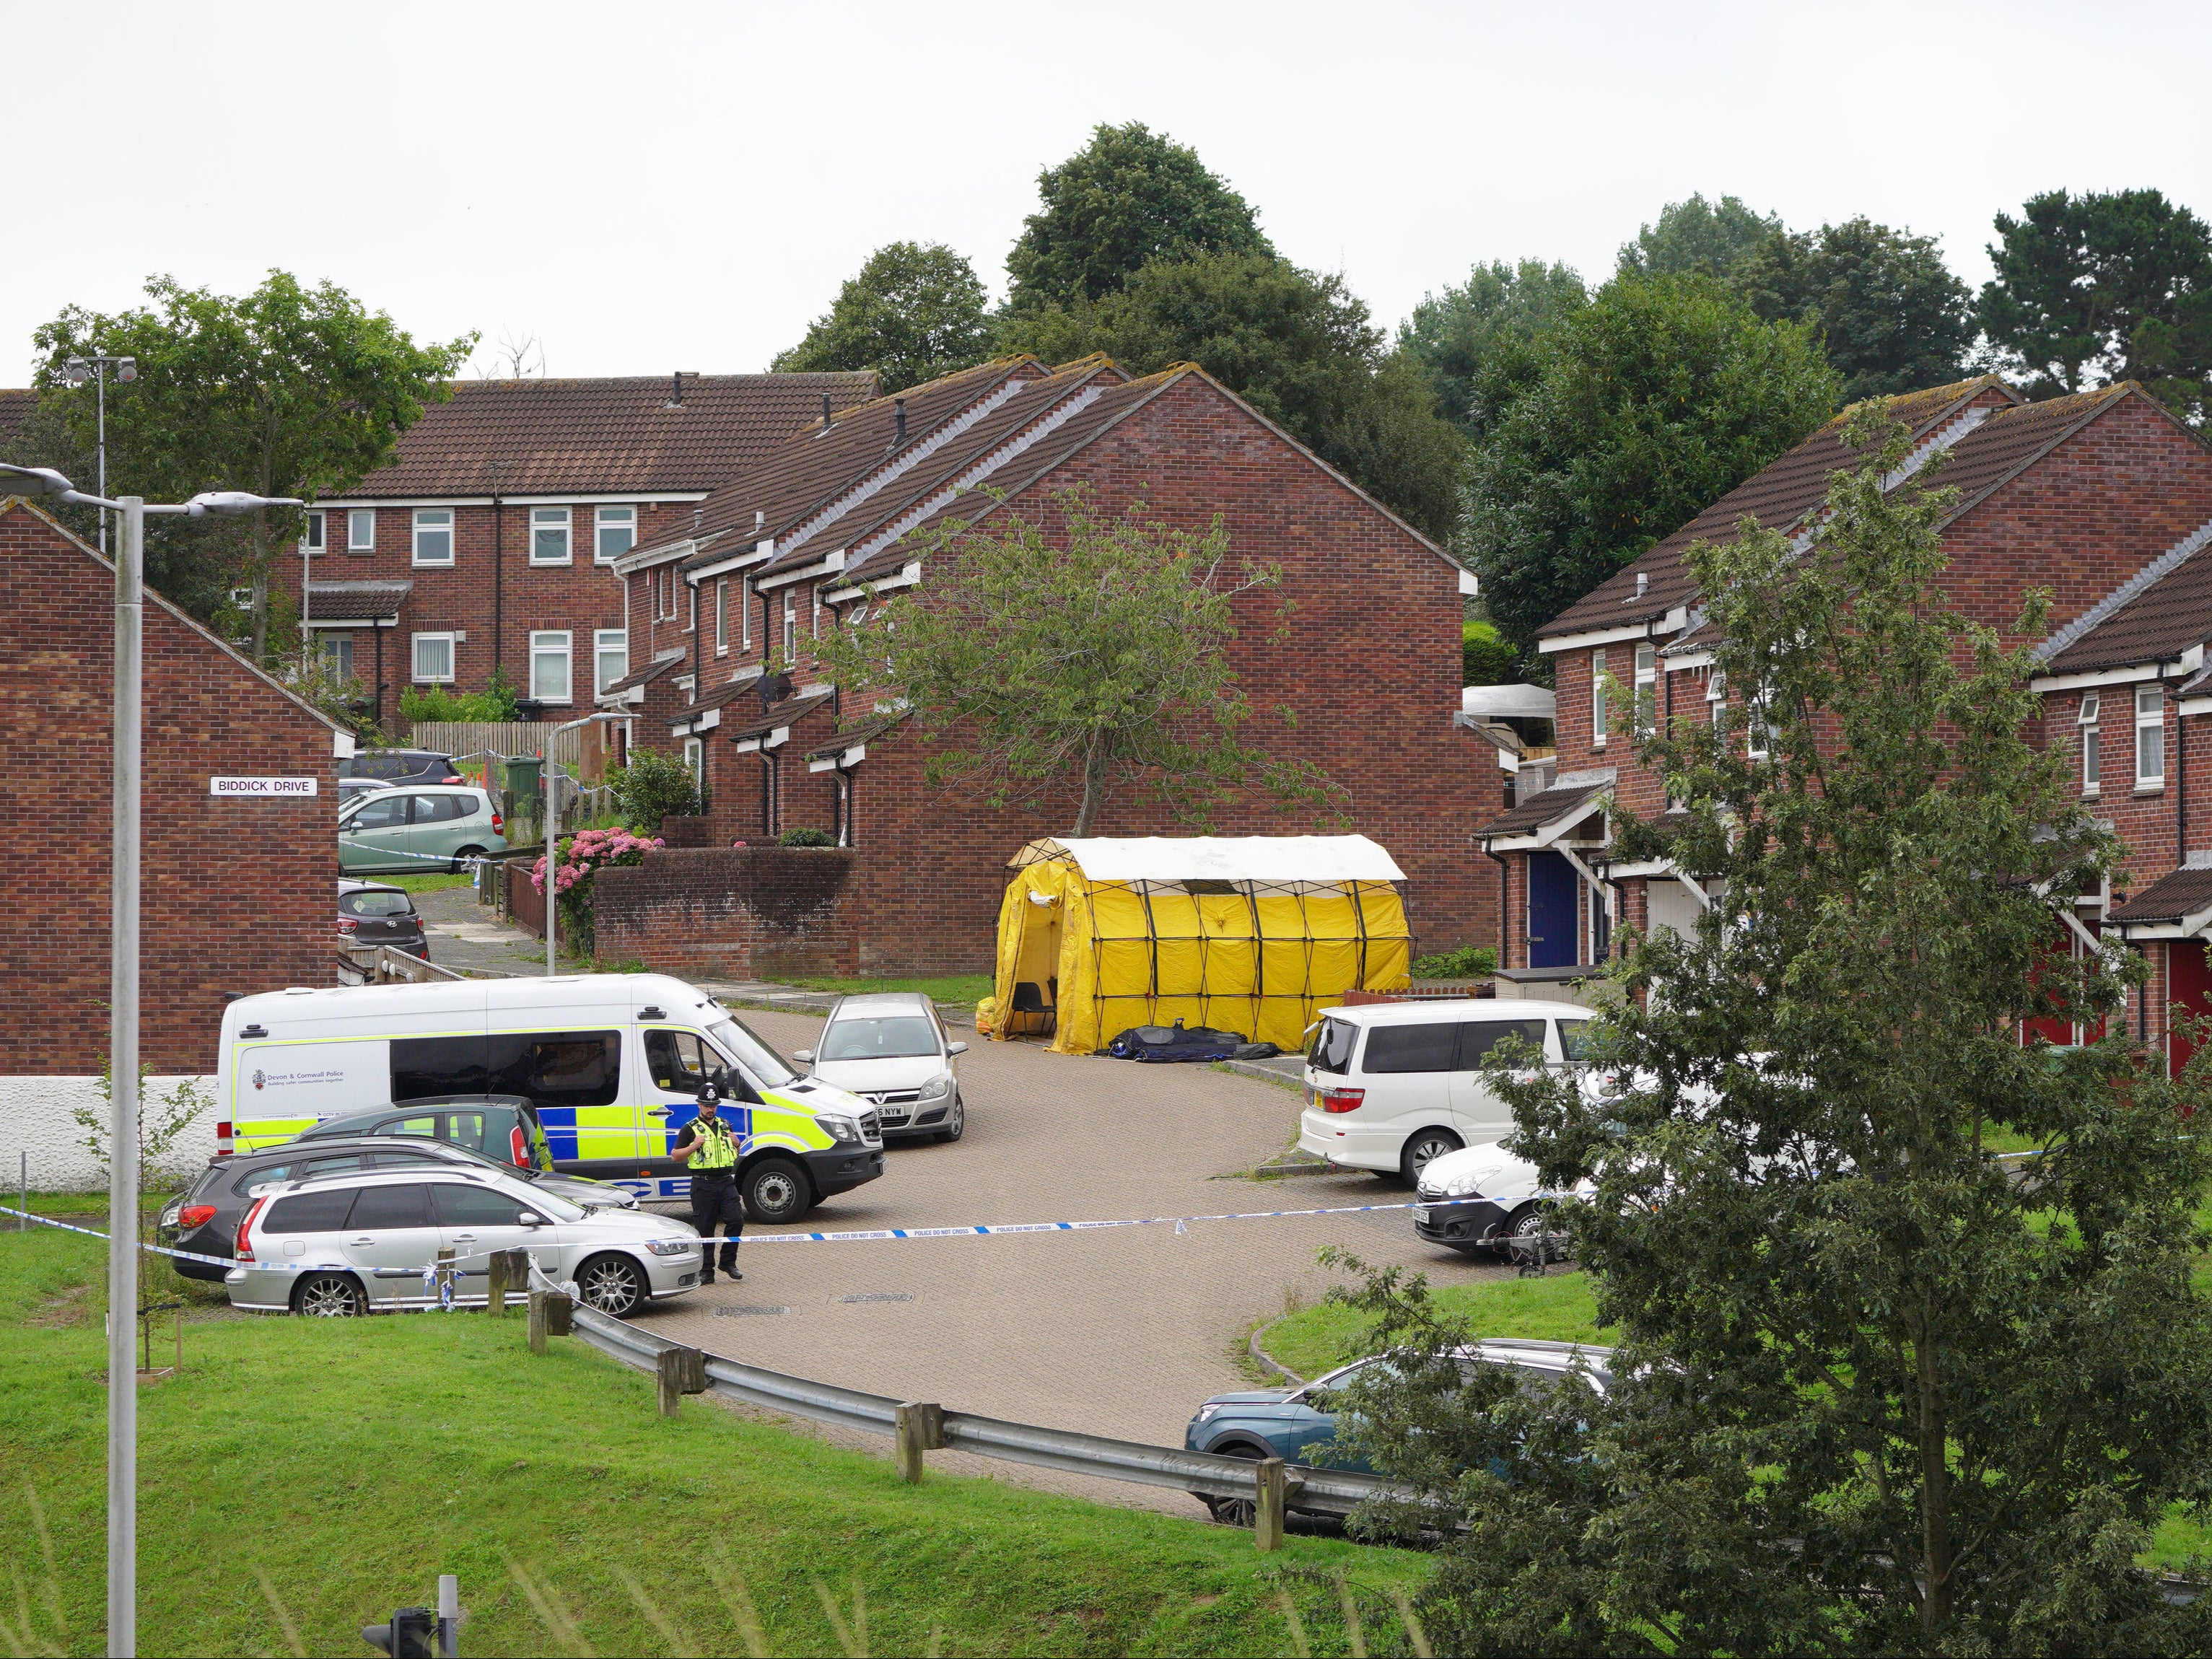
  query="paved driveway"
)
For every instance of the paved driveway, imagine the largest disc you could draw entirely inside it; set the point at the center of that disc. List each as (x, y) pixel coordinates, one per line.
(1119, 1333)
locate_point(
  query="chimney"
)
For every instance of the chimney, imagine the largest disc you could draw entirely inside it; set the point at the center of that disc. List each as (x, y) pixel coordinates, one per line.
(825, 412)
(899, 439)
(760, 519)
(675, 390)
(1642, 583)
(698, 512)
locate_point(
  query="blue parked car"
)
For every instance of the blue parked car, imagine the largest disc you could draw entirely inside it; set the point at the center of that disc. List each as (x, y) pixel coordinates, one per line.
(1283, 1422)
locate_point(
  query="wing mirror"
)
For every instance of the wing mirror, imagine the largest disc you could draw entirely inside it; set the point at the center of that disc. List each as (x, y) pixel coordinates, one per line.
(528, 1219)
(804, 1056)
(955, 1048)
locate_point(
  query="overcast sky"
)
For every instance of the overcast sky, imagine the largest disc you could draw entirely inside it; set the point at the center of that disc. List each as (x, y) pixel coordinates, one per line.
(661, 186)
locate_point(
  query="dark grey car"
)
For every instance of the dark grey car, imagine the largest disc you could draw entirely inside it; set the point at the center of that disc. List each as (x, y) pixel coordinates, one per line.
(399, 766)
(371, 914)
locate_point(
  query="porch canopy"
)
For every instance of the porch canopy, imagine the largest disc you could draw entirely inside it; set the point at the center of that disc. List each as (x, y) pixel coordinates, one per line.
(1251, 933)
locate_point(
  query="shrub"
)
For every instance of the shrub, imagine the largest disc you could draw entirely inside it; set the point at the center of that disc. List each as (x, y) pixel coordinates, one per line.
(652, 787)
(1486, 658)
(806, 838)
(495, 704)
(583, 855)
(1468, 961)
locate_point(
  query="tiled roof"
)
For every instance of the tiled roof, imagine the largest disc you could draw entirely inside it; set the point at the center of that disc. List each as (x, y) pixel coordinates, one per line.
(789, 712)
(547, 437)
(1779, 496)
(14, 406)
(360, 598)
(1538, 811)
(866, 732)
(2172, 612)
(645, 675)
(2177, 894)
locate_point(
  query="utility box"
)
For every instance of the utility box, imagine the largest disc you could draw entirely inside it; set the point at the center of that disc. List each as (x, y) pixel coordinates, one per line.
(521, 776)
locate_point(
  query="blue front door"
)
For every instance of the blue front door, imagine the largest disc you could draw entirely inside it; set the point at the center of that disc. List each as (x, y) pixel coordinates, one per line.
(1551, 912)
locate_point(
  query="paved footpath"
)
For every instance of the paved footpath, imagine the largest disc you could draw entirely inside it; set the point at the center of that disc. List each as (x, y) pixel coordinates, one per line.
(1118, 1332)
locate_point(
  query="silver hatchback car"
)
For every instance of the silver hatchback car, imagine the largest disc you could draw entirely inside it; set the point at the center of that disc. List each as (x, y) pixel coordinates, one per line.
(368, 1241)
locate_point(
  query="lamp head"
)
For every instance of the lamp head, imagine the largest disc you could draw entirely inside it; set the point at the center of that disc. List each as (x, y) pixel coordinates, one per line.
(77, 371)
(34, 481)
(127, 369)
(229, 503)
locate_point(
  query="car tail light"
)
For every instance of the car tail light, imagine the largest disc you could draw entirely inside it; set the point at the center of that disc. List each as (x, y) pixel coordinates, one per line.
(1341, 1100)
(242, 1249)
(195, 1215)
(453, 779)
(223, 1144)
(348, 924)
(517, 1147)
(498, 826)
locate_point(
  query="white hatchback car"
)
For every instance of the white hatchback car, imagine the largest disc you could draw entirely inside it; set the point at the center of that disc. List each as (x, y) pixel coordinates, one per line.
(889, 1048)
(359, 1243)
(1393, 1084)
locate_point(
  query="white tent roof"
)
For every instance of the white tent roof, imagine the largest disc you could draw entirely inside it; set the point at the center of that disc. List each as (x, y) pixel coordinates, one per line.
(1509, 701)
(1232, 858)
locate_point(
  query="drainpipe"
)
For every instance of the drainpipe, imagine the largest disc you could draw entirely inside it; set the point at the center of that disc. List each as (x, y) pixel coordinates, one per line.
(1504, 894)
(498, 569)
(2181, 788)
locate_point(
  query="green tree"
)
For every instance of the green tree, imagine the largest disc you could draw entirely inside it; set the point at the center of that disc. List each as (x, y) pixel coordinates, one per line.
(1889, 313)
(1697, 236)
(287, 391)
(1485, 657)
(1874, 1392)
(2106, 286)
(1090, 658)
(1655, 400)
(1479, 341)
(1297, 347)
(653, 786)
(1127, 197)
(915, 311)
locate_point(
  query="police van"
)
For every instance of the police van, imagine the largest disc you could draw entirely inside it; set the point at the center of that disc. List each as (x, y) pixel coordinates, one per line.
(613, 1062)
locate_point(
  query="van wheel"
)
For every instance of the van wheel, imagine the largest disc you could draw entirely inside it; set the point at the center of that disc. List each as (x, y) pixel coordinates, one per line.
(461, 858)
(776, 1190)
(611, 1284)
(329, 1296)
(1423, 1147)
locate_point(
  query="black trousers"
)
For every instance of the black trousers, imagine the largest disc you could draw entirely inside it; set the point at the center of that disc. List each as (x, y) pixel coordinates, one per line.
(716, 1209)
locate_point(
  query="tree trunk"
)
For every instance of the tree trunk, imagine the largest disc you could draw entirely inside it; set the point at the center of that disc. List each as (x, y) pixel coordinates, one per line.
(1937, 1593)
(1094, 784)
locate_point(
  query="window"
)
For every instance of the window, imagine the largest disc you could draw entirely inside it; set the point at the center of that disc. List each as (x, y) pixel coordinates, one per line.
(691, 623)
(903, 1037)
(311, 533)
(361, 530)
(2150, 737)
(2092, 759)
(616, 533)
(1647, 689)
(815, 592)
(422, 1128)
(549, 666)
(309, 1213)
(744, 613)
(433, 535)
(1716, 698)
(1412, 1048)
(1477, 1040)
(467, 1204)
(433, 658)
(377, 902)
(722, 618)
(548, 535)
(680, 1061)
(466, 1129)
(694, 755)
(1597, 699)
(790, 627)
(337, 651)
(386, 1209)
(442, 808)
(613, 650)
(562, 1068)
(1754, 727)
(386, 810)
(1332, 1053)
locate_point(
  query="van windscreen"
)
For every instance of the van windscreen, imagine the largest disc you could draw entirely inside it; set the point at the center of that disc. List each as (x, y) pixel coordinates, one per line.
(1332, 1050)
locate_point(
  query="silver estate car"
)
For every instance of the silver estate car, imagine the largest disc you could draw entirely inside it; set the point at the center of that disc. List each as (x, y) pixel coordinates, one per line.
(359, 1243)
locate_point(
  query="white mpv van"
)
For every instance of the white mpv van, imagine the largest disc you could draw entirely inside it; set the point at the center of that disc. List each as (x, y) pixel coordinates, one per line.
(1393, 1084)
(613, 1063)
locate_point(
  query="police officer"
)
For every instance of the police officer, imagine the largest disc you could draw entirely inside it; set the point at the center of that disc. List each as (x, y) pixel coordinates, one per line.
(710, 1150)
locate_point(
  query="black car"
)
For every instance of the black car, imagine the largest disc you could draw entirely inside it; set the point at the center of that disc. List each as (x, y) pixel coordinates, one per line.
(205, 1218)
(349, 787)
(401, 766)
(370, 914)
(502, 1128)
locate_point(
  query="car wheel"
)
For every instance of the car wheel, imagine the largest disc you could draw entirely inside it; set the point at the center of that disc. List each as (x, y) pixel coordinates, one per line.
(775, 1190)
(1237, 1511)
(329, 1296)
(611, 1284)
(956, 1122)
(461, 858)
(1423, 1146)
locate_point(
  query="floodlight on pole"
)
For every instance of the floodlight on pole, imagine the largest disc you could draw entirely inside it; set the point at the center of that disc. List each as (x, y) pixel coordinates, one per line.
(94, 368)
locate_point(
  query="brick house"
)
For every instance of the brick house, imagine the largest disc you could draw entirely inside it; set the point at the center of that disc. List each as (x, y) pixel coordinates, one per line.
(805, 542)
(489, 543)
(2102, 497)
(238, 893)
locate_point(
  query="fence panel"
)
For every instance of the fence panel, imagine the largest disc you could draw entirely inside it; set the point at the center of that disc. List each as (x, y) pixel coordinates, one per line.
(505, 740)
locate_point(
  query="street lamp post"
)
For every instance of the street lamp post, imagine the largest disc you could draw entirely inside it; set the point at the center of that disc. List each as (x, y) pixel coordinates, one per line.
(553, 836)
(77, 371)
(123, 1015)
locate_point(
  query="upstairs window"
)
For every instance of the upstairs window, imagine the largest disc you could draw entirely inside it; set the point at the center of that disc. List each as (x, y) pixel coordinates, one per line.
(548, 535)
(2091, 766)
(613, 656)
(2150, 737)
(1597, 699)
(361, 530)
(311, 533)
(722, 618)
(616, 533)
(433, 535)
(1716, 698)
(1647, 690)
(790, 627)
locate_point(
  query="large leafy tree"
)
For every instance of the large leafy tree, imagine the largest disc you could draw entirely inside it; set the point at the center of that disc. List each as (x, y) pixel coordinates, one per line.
(1298, 346)
(1652, 402)
(1479, 341)
(287, 391)
(2105, 286)
(1127, 197)
(1081, 660)
(1875, 1392)
(1698, 237)
(1890, 314)
(913, 312)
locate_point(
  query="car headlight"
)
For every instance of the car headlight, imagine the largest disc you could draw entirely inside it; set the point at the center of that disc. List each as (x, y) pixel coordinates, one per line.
(842, 1130)
(938, 1087)
(1208, 1409)
(669, 1246)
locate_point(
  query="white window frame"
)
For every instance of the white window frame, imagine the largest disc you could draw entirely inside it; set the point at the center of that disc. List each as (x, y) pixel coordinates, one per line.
(2150, 726)
(722, 616)
(1716, 698)
(815, 592)
(2092, 760)
(314, 530)
(744, 613)
(790, 627)
(545, 520)
(554, 642)
(695, 756)
(604, 519)
(361, 530)
(1758, 744)
(1597, 698)
(425, 520)
(605, 642)
(414, 657)
(337, 651)
(691, 623)
(1646, 714)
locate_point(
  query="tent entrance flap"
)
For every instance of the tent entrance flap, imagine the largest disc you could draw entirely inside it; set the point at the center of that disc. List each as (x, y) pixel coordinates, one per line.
(1254, 934)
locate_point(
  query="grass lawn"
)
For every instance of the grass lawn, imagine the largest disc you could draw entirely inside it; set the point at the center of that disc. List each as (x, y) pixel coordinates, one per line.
(437, 883)
(300, 1480)
(963, 989)
(1557, 1308)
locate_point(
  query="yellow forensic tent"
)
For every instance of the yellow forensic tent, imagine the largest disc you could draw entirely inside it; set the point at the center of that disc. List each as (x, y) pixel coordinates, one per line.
(1249, 934)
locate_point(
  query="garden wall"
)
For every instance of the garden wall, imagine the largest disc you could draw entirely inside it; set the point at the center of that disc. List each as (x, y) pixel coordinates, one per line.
(731, 913)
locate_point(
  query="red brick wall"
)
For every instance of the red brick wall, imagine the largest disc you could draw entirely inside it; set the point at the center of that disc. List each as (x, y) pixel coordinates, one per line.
(238, 895)
(760, 912)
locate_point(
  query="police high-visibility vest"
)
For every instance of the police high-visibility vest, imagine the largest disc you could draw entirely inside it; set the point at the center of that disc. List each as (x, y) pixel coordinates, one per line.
(717, 1149)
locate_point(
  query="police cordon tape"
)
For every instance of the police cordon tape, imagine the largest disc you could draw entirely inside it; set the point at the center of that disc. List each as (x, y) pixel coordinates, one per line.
(427, 1268)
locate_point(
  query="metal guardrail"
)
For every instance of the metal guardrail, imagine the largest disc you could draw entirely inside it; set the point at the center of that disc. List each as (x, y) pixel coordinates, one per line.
(388, 964)
(1334, 1491)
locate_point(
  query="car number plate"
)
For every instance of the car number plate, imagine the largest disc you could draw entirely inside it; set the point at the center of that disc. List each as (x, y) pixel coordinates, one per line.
(1421, 1212)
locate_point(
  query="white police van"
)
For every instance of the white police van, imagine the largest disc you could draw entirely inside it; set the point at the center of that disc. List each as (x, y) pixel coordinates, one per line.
(613, 1063)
